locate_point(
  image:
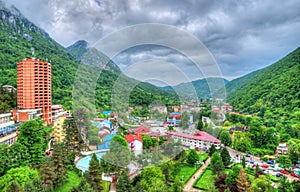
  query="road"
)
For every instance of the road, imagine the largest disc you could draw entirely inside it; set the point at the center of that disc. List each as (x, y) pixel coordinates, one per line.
(233, 153)
(189, 185)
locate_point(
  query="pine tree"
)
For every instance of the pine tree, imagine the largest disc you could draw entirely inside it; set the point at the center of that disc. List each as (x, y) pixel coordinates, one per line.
(14, 187)
(123, 183)
(82, 187)
(212, 150)
(244, 162)
(73, 140)
(243, 182)
(192, 157)
(47, 174)
(59, 159)
(35, 186)
(225, 156)
(216, 163)
(94, 175)
(200, 125)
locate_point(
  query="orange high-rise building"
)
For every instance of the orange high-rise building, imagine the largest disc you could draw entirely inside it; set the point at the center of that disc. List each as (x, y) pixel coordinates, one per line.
(34, 96)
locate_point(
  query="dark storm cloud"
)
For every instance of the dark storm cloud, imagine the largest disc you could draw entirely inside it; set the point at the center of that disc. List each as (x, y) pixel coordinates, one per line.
(242, 35)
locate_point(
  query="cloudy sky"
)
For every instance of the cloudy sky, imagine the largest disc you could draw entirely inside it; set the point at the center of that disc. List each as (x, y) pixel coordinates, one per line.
(242, 36)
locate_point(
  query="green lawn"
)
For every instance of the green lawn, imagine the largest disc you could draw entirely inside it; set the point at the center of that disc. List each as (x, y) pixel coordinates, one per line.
(202, 156)
(205, 180)
(186, 172)
(72, 181)
(105, 185)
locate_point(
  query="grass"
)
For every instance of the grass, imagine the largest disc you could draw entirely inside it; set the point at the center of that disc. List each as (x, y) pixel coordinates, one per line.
(186, 172)
(72, 181)
(205, 180)
(202, 156)
(105, 185)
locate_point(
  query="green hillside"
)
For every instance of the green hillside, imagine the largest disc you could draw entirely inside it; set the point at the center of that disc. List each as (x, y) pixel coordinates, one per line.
(272, 92)
(18, 36)
(200, 86)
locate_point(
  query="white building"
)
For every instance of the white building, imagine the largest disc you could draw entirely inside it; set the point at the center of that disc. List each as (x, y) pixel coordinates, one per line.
(135, 143)
(201, 140)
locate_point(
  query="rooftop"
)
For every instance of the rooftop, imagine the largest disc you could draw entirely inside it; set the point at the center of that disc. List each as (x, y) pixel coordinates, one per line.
(201, 135)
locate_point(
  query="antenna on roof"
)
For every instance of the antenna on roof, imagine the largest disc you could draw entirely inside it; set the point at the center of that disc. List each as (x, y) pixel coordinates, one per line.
(32, 51)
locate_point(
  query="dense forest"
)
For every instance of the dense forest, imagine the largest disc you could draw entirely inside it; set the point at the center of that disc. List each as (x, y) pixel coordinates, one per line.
(17, 38)
(272, 93)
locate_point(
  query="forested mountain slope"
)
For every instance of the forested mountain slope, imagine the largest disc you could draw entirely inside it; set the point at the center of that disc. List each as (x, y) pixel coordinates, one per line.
(200, 86)
(17, 38)
(273, 91)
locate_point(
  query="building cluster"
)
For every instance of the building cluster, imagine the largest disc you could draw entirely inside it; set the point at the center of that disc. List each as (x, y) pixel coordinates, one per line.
(34, 100)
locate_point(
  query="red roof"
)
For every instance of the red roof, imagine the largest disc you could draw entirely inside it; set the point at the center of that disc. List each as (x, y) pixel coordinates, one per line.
(130, 138)
(201, 135)
(140, 129)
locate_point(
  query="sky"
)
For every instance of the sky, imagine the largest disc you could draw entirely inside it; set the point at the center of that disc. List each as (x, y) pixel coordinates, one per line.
(241, 36)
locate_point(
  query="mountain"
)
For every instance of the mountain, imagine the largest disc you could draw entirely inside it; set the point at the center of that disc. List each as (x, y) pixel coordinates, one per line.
(18, 36)
(80, 48)
(274, 90)
(200, 86)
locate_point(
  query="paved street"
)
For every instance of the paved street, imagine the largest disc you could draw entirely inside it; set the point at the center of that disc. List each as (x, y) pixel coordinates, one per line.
(233, 153)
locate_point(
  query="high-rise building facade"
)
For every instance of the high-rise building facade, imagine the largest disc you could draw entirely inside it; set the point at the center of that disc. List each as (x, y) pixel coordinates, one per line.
(34, 95)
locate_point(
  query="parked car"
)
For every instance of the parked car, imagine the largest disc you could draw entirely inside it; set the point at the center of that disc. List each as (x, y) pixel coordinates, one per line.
(271, 162)
(278, 175)
(284, 172)
(294, 175)
(247, 155)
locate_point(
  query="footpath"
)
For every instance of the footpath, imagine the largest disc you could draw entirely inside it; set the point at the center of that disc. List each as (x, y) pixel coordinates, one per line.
(189, 185)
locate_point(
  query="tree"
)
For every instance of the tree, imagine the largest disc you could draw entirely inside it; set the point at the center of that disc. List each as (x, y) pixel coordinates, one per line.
(47, 174)
(94, 175)
(285, 185)
(220, 182)
(293, 147)
(13, 156)
(73, 140)
(225, 138)
(147, 142)
(284, 161)
(35, 186)
(14, 187)
(216, 163)
(212, 150)
(262, 184)
(59, 164)
(181, 156)
(20, 175)
(124, 183)
(167, 168)
(243, 182)
(35, 137)
(118, 157)
(192, 157)
(225, 156)
(184, 122)
(83, 186)
(156, 157)
(178, 185)
(227, 123)
(200, 125)
(153, 176)
(241, 141)
(232, 176)
(244, 162)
